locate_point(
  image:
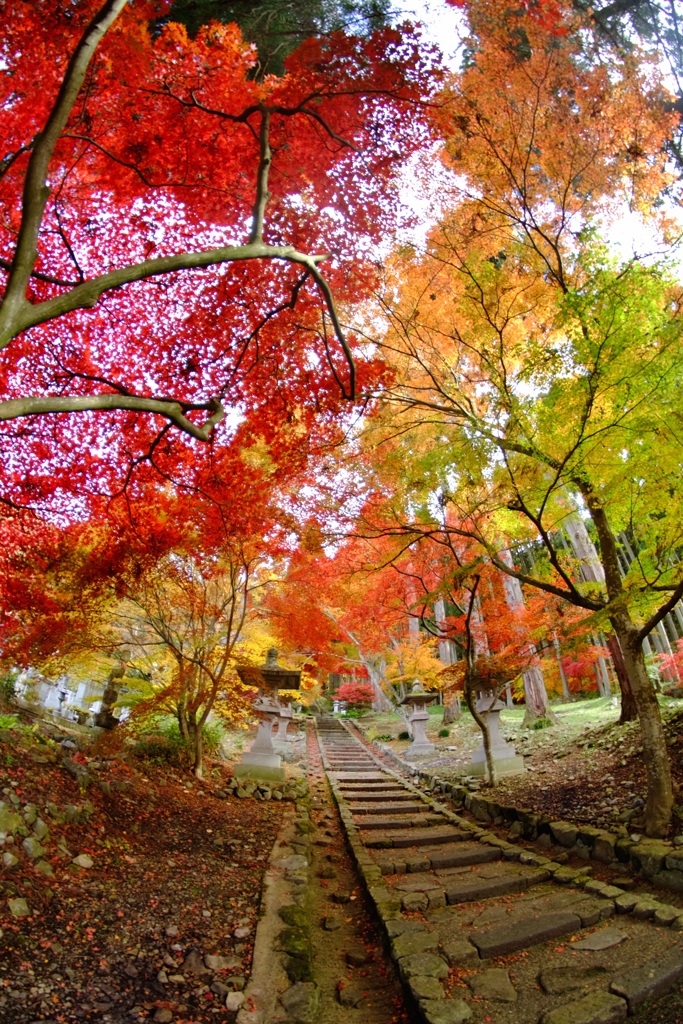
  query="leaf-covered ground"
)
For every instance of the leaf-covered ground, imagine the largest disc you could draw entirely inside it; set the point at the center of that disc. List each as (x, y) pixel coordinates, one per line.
(586, 768)
(597, 778)
(175, 879)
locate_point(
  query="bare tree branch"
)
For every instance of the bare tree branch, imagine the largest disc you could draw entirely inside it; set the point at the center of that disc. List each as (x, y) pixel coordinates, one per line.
(170, 408)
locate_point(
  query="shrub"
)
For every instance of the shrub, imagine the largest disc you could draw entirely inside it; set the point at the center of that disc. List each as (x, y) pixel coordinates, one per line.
(165, 745)
(541, 723)
(6, 690)
(444, 732)
(357, 696)
(158, 748)
(404, 735)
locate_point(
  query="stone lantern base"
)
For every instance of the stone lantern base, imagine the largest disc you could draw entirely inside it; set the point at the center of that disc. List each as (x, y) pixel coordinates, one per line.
(258, 767)
(513, 765)
(262, 762)
(416, 750)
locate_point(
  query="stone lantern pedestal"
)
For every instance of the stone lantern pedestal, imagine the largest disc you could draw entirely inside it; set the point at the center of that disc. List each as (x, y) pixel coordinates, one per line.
(505, 759)
(263, 762)
(417, 701)
(281, 740)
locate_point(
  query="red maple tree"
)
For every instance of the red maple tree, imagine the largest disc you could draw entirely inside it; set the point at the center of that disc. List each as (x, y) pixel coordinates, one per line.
(173, 232)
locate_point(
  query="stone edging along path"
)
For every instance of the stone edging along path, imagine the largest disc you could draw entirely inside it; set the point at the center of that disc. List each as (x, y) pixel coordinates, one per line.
(281, 980)
(651, 859)
(473, 921)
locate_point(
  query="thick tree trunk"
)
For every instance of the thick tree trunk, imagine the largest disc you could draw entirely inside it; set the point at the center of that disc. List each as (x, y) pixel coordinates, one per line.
(105, 716)
(565, 688)
(536, 697)
(376, 672)
(659, 802)
(629, 710)
(451, 708)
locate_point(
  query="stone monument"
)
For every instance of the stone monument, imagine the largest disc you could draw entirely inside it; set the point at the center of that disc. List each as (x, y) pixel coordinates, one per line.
(505, 759)
(262, 761)
(417, 699)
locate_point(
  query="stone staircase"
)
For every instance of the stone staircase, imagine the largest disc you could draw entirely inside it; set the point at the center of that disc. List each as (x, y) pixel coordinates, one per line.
(484, 931)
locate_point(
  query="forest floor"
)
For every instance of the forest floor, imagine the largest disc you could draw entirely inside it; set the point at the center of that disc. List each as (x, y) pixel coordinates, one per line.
(142, 880)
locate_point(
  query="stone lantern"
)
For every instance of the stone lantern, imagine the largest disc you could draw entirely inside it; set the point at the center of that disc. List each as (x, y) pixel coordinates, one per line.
(281, 740)
(505, 758)
(417, 700)
(263, 761)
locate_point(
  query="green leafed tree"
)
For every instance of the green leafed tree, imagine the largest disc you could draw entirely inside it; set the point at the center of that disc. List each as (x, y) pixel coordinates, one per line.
(536, 378)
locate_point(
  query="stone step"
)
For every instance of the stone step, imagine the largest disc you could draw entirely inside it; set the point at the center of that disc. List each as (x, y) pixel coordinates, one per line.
(452, 902)
(461, 854)
(474, 888)
(404, 807)
(595, 1008)
(348, 755)
(511, 936)
(341, 776)
(400, 821)
(350, 762)
(352, 755)
(333, 751)
(350, 758)
(655, 978)
(365, 796)
(351, 792)
(417, 836)
(388, 780)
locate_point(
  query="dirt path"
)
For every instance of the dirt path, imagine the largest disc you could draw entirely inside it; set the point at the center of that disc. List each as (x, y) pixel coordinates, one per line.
(350, 963)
